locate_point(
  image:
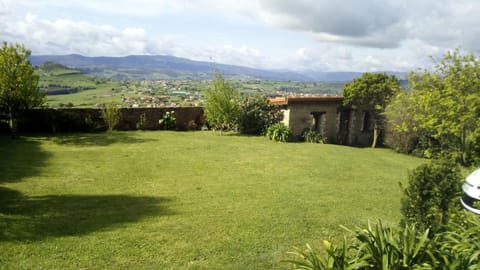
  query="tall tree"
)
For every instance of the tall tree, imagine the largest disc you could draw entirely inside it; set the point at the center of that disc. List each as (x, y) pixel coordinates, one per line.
(19, 89)
(222, 104)
(401, 129)
(447, 105)
(372, 92)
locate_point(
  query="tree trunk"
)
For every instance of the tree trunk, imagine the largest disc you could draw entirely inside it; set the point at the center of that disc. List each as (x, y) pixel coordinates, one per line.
(376, 133)
(12, 122)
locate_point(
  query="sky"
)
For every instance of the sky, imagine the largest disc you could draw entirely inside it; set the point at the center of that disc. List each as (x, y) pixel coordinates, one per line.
(299, 35)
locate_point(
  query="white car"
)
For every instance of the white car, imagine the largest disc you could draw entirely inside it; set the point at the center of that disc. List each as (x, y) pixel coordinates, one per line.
(471, 192)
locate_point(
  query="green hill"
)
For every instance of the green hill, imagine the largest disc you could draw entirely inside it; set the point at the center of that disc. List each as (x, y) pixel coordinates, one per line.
(66, 86)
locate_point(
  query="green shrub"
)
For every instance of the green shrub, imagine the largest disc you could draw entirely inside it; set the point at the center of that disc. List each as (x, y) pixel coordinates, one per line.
(432, 195)
(142, 121)
(222, 104)
(313, 136)
(70, 121)
(401, 131)
(168, 121)
(111, 115)
(279, 132)
(256, 114)
(91, 125)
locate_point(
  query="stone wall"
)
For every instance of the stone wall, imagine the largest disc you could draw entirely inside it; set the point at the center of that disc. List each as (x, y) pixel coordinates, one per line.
(301, 118)
(358, 133)
(87, 120)
(327, 115)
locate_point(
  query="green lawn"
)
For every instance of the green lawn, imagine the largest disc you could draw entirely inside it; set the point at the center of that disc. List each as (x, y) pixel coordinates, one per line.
(193, 200)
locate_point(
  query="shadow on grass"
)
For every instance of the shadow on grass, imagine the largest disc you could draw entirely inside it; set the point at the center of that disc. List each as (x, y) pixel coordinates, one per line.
(35, 218)
(20, 158)
(98, 139)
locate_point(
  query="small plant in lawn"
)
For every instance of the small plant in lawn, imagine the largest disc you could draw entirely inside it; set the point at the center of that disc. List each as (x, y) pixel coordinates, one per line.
(168, 121)
(111, 115)
(279, 132)
(142, 121)
(313, 136)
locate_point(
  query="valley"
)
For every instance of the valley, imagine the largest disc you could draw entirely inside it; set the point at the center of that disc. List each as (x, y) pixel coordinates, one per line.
(73, 88)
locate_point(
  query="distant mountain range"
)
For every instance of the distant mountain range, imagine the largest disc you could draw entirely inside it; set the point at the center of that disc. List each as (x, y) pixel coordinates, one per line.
(143, 67)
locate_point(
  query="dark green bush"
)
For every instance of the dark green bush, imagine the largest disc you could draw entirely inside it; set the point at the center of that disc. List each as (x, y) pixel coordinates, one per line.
(71, 121)
(256, 114)
(432, 195)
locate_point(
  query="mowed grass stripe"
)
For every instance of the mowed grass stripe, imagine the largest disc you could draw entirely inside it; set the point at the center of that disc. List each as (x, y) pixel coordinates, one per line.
(192, 200)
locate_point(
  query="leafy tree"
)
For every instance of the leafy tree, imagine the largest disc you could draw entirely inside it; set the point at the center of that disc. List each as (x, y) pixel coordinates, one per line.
(19, 89)
(432, 196)
(372, 92)
(401, 130)
(222, 104)
(256, 114)
(447, 105)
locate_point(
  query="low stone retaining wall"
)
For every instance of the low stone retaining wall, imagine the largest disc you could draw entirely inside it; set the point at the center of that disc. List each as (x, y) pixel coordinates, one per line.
(90, 120)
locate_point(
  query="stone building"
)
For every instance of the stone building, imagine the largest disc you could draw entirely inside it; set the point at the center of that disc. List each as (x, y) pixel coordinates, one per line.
(327, 115)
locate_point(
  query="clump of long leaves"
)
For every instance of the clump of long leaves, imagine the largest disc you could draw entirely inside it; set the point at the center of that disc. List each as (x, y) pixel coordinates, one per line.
(279, 132)
(383, 248)
(334, 258)
(459, 247)
(376, 247)
(313, 136)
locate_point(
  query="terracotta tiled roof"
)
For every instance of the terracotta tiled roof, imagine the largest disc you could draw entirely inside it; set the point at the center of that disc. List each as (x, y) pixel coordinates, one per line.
(290, 100)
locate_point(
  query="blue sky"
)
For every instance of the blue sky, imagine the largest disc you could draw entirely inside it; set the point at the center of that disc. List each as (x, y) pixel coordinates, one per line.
(319, 35)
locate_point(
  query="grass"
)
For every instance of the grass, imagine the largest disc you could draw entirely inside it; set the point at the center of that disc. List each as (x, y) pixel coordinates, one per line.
(196, 200)
(87, 98)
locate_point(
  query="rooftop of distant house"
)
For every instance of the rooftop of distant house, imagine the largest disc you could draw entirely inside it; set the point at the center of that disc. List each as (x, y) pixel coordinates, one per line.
(300, 99)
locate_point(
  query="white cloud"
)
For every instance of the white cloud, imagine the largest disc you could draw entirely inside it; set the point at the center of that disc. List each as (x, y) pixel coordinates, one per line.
(343, 35)
(62, 36)
(68, 36)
